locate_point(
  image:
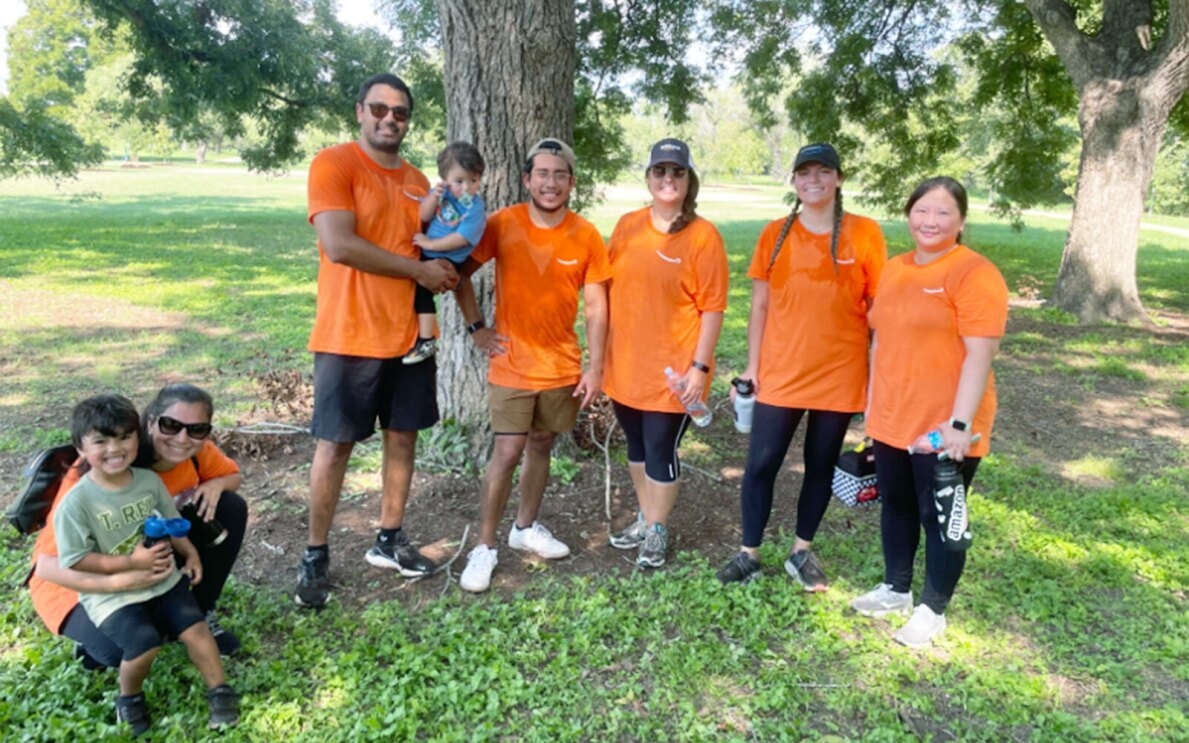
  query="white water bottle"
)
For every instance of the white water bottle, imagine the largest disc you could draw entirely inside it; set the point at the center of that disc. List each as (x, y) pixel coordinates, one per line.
(745, 403)
(698, 412)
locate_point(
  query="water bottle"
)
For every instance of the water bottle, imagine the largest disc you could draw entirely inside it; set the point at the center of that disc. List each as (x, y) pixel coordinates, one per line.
(155, 531)
(926, 443)
(698, 412)
(949, 495)
(745, 403)
(210, 533)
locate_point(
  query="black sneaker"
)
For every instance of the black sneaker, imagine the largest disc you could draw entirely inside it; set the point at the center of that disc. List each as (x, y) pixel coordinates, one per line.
(803, 566)
(134, 711)
(313, 580)
(741, 569)
(223, 703)
(227, 641)
(398, 554)
(424, 349)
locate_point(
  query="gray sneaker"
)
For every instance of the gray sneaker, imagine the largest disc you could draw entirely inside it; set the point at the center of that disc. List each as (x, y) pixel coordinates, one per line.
(922, 628)
(632, 536)
(883, 601)
(804, 567)
(654, 547)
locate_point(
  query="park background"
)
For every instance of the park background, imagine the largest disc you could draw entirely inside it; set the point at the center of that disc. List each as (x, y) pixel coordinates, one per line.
(1071, 623)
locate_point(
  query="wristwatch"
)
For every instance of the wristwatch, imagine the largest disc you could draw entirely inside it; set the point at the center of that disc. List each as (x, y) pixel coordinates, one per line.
(958, 425)
(476, 325)
(699, 366)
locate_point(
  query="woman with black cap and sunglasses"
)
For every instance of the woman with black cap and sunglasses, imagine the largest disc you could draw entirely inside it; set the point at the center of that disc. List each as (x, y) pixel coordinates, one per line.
(813, 275)
(175, 443)
(668, 292)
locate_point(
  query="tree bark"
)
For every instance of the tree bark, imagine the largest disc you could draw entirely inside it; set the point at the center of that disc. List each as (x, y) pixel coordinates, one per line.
(509, 77)
(1126, 90)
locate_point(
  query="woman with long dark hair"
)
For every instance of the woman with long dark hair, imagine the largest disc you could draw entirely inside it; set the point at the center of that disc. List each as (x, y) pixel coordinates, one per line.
(813, 275)
(941, 313)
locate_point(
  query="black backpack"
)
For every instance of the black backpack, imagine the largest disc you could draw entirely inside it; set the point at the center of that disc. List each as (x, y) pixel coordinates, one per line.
(45, 471)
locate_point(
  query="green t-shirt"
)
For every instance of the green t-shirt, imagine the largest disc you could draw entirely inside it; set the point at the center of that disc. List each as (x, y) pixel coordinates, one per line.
(111, 522)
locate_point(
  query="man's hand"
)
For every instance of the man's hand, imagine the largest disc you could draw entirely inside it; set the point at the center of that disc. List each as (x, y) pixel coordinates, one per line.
(588, 387)
(437, 275)
(490, 342)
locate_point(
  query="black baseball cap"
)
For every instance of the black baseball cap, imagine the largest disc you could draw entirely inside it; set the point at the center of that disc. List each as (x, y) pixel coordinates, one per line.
(818, 153)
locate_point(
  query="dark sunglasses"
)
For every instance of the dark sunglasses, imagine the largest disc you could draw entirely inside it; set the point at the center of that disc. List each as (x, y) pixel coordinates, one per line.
(380, 110)
(659, 171)
(171, 427)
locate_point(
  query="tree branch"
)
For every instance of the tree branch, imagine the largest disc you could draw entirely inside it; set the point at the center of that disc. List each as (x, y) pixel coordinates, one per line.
(1084, 59)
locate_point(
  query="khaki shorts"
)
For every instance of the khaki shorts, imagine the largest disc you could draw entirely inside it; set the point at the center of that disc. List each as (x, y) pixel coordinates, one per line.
(517, 411)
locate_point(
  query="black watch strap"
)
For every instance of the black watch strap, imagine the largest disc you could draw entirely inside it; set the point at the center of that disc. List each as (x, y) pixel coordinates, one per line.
(958, 425)
(476, 325)
(699, 366)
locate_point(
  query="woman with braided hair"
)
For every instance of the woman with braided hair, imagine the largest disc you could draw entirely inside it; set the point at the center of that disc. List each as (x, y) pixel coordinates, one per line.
(813, 274)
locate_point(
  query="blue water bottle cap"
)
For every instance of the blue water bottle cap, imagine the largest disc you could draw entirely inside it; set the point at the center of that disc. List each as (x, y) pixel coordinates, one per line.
(177, 528)
(155, 527)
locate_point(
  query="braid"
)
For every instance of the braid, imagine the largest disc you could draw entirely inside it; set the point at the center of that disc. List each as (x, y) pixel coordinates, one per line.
(784, 232)
(837, 228)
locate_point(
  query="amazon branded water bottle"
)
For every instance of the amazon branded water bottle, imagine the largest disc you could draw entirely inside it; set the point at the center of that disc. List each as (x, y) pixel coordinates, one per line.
(698, 412)
(949, 495)
(745, 403)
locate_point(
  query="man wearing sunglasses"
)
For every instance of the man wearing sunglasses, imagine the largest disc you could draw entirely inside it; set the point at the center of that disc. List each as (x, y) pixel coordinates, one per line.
(545, 256)
(363, 203)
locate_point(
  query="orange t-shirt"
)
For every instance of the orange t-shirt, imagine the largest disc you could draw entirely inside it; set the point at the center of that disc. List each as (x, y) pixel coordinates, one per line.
(53, 602)
(660, 286)
(539, 273)
(360, 313)
(813, 353)
(920, 318)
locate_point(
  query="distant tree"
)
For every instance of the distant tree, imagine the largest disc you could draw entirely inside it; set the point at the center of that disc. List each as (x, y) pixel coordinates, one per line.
(50, 50)
(34, 143)
(1122, 65)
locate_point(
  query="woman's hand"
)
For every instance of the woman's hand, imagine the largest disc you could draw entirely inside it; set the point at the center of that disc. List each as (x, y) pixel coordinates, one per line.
(193, 568)
(695, 384)
(206, 498)
(955, 443)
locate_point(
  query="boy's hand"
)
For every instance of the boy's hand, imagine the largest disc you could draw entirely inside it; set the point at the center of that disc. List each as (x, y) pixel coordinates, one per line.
(193, 568)
(156, 559)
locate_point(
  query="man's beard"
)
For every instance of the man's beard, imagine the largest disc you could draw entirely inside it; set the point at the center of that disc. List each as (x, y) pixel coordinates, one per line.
(547, 210)
(389, 147)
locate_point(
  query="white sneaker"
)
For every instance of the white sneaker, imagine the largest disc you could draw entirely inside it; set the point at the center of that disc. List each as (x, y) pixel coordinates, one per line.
(922, 628)
(538, 540)
(882, 601)
(476, 576)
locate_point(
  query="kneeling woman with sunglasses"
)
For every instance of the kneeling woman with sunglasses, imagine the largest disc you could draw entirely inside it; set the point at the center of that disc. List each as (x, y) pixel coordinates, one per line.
(174, 443)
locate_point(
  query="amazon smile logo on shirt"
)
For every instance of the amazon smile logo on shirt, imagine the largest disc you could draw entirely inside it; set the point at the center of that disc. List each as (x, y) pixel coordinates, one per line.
(667, 259)
(938, 290)
(573, 262)
(845, 261)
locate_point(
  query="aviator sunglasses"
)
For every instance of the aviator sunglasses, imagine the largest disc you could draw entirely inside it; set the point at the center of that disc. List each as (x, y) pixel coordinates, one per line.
(380, 110)
(172, 427)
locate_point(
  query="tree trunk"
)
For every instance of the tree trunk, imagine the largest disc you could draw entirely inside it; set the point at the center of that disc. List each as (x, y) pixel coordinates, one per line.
(509, 77)
(1126, 89)
(1120, 139)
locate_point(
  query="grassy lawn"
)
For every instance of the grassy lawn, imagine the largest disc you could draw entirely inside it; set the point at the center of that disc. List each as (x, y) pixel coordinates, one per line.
(1071, 623)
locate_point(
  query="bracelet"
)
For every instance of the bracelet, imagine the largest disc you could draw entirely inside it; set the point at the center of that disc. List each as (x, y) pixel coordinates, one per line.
(958, 425)
(476, 325)
(699, 366)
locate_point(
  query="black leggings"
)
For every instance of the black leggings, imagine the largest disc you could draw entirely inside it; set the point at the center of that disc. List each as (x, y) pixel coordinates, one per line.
(217, 562)
(653, 438)
(772, 430)
(906, 489)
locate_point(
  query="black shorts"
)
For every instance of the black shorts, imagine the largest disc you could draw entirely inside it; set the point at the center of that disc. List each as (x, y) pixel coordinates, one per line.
(653, 437)
(352, 392)
(138, 628)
